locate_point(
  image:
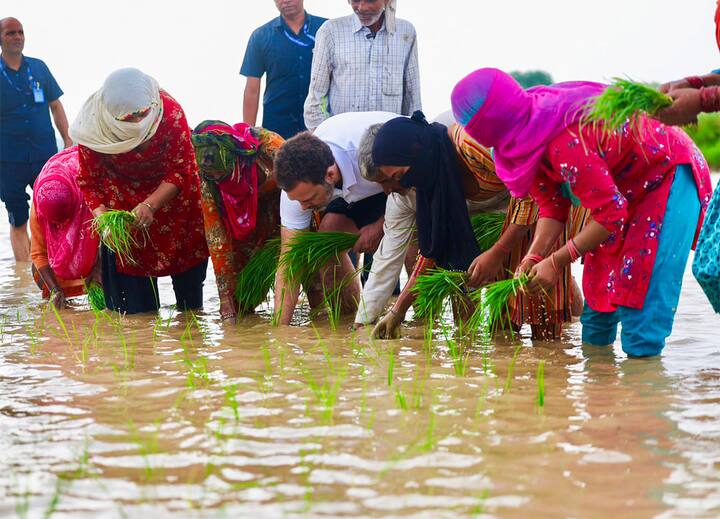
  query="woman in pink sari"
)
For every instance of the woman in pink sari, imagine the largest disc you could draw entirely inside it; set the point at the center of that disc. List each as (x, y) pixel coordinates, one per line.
(647, 189)
(64, 249)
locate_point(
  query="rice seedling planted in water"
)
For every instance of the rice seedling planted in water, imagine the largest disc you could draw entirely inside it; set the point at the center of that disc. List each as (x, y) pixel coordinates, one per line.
(434, 288)
(257, 277)
(307, 252)
(114, 229)
(487, 228)
(96, 296)
(541, 384)
(623, 101)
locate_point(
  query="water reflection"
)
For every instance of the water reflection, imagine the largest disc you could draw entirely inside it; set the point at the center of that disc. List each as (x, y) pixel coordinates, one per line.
(186, 415)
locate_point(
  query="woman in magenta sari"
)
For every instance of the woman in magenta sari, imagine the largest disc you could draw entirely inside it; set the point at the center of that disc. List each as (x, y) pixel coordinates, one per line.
(647, 189)
(64, 249)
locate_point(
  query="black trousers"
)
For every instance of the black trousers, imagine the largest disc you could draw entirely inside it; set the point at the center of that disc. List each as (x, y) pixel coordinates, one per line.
(137, 294)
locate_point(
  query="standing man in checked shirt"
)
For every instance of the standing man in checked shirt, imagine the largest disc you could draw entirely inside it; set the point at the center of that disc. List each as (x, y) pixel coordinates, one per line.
(28, 94)
(364, 62)
(282, 49)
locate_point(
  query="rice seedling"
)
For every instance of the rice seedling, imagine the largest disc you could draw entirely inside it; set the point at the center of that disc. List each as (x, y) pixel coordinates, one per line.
(511, 368)
(401, 399)
(231, 400)
(96, 296)
(434, 288)
(277, 312)
(258, 277)
(622, 102)
(61, 322)
(487, 228)
(391, 366)
(492, 304)
(540, 375)
(115, 231)
(458, 352)
(307, 252)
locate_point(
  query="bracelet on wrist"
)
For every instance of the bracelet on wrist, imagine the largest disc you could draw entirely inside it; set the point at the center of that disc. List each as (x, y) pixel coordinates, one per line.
(695, 81)
(535, 258)
(147, 204)
(710, 99)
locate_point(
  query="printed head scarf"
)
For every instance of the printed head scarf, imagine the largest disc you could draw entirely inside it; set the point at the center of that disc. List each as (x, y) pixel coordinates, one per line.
(105, 123)
(237, 189)
(444, 230)
(64, 217)
(518, 124)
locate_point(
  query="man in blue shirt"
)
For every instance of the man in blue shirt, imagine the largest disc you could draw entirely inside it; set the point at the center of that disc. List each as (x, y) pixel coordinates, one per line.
(282, 49)
(28, 93)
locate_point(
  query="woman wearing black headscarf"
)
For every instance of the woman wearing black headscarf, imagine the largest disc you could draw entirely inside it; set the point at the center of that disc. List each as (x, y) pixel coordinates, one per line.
(448, 169)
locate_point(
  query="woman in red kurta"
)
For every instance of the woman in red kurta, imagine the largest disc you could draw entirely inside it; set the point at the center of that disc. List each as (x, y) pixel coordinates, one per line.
(136, 155)
(647, 189)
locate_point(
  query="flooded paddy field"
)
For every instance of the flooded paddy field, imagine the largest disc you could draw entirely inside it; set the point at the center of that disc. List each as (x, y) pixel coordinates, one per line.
(183, 415)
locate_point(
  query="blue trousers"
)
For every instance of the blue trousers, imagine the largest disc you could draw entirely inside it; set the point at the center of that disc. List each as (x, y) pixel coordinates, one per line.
(644, 331)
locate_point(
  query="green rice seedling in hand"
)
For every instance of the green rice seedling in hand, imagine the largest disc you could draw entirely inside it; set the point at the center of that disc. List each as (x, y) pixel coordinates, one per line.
(491, 303)
(487, 228)
(257, 277)
(623, 101)
(434, 288)
(308, 252)
(115, 231)
(96, 296)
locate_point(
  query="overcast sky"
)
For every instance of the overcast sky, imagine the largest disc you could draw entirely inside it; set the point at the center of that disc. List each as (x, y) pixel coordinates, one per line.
(195, 49)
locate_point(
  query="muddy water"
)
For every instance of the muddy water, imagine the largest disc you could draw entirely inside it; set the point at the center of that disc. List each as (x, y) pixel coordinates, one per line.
(187, 417)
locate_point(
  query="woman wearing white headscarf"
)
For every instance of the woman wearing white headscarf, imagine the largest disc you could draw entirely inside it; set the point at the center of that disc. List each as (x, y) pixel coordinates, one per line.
(136, 155)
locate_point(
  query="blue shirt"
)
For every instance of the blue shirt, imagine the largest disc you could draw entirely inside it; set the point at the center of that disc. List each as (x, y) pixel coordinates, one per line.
(274, 49)
(26, 133)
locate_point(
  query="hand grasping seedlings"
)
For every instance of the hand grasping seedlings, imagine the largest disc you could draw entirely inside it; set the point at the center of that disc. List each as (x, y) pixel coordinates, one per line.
(115, 231)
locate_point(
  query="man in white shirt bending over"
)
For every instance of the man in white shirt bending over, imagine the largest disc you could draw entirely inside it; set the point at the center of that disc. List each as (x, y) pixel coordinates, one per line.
(319, 172)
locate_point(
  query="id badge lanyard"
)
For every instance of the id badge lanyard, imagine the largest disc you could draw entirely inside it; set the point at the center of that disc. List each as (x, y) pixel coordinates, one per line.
(35, 86)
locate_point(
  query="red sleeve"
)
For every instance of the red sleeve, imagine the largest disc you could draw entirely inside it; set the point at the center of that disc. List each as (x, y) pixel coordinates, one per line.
(180, 155)
(589, 177)
(90, 177)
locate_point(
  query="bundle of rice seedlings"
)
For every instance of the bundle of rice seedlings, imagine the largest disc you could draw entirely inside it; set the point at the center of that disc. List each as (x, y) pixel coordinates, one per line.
(623, 101)
(114, 229)
(96, 296)
(487, 228)
(491, 303)
(308, 251)
(257, 277)
(434, 288)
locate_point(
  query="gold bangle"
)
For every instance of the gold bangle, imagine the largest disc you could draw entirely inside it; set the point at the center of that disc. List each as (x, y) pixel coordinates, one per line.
(147, 204)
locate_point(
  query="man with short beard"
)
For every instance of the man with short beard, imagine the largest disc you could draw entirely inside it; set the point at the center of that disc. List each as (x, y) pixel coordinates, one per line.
(28, 94)
(282, 49)
(363, 62)
(320, 173)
